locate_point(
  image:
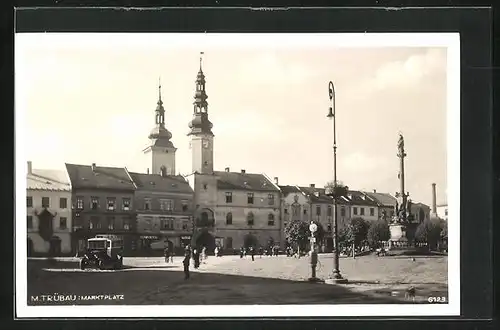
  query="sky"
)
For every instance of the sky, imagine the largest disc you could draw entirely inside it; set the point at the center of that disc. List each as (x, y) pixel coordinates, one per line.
(91, 98)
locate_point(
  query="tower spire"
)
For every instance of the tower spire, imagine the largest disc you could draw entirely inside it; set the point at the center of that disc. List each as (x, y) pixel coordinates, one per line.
(201, 59)
(159, 90)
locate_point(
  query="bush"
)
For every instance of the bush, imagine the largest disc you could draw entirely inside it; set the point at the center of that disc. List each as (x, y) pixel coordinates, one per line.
(429, 232)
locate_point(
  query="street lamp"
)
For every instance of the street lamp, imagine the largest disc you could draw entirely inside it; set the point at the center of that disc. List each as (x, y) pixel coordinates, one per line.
(314, 255)
(335, 277)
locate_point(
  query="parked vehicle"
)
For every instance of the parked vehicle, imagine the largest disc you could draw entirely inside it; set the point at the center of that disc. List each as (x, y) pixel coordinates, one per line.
(103, 253)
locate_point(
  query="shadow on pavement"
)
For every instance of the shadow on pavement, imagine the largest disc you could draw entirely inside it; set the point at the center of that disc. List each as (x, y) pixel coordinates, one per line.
(168, 287)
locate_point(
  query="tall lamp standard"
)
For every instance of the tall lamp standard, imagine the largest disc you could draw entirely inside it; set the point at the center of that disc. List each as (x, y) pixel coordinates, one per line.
(335, 277)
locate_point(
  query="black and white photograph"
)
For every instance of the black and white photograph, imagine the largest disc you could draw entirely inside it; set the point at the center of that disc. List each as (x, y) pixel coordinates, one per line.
(213, 174)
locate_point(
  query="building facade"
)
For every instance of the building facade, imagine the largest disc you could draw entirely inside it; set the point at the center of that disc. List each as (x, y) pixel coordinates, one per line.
(48, 203)
(363, 206)
(386, 204)
(164, 208)
(102, 201)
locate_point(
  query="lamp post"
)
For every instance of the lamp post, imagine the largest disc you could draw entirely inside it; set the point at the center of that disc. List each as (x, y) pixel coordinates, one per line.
(314, 255)
(335, 277)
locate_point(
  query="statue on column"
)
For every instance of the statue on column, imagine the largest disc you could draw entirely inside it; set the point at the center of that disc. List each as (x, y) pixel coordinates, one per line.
(401, 144)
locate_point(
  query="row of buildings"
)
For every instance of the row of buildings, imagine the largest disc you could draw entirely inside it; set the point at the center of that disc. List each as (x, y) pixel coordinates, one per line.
(207, 207)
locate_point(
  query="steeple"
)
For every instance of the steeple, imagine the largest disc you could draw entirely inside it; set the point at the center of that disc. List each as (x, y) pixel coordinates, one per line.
(160, 132)
(200, 123)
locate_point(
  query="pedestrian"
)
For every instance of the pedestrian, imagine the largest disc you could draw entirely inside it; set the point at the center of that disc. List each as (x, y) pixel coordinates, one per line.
(197, 259)
(204, 253)
(187, 258)
(252, 253)
(166, 254)
(261, 251)
(241, 252)
(216, 251)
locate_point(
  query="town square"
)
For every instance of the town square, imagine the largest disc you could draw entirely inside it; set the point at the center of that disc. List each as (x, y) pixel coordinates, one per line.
(221, 176)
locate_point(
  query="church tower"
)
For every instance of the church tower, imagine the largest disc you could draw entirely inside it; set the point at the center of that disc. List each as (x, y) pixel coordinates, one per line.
(160, 149)
(202, 138)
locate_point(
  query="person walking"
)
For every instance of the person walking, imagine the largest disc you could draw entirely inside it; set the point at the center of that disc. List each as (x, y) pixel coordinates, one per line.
(241, 252)
(197, 258)
(166, 253)
(187, 259)
(261, 251)
(252, 253)
(204, 254)
(216, 251)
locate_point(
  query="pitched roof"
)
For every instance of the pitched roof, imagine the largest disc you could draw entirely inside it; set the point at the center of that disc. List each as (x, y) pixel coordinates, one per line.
(359, 198)
(289, 189)
(44, 179)
(82, 176)
(156, 182)
(383, 198)
(244, 181)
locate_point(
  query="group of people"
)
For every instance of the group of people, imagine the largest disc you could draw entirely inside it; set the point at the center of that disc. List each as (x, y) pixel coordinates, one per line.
(195, 255)
(271, 251)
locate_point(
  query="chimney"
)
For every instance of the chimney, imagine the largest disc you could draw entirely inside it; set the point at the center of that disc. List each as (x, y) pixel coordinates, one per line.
(147, 170)
(374, 191)
(93, 167)
(434, 208)
(243, 171)
(30, 169)
(227, 169)
(276, 180)
(312, 185)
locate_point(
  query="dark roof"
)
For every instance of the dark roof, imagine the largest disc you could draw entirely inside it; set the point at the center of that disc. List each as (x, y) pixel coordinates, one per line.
(383, 198)
(82, 176)
(289, 189)
(244, 181)
(311, 190)
(156, 182)
(358, 198)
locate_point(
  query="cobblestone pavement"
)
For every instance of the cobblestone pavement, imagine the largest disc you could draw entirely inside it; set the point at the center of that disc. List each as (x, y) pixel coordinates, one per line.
(231, 280)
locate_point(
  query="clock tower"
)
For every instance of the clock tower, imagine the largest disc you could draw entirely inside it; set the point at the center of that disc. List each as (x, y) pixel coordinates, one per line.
(202, 138)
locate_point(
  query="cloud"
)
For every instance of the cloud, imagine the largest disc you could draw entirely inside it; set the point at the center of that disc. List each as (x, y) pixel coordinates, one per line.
(269, 68)
(408, 73)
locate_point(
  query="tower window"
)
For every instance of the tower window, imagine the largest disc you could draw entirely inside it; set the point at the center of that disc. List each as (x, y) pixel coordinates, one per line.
(229, 197)
(250, 198)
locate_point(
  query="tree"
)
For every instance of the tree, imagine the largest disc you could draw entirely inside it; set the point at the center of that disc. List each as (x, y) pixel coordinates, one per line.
(297, 233)
(429, 232)
(358, 230)
(378, 232)
(340, 190)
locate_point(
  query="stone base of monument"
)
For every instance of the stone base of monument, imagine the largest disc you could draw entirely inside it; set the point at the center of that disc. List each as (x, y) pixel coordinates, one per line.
(336, 281)
(398, 238)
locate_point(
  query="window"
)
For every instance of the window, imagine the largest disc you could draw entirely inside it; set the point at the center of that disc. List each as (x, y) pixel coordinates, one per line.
(270, 219)
(342, 211)
(167, 223)
(229, 197)
(329, 211)
(329, 228)
(169, 205)
(79, 203)
(63, 203)
(29, 201)
(250, 219)
(94, 203)
(148, 223)
(355, 210)
(111, 223)
(29, 220)
(362, 210)
(250, 198)
(94, 223)
(63, 223)
(185, 206)
(305, 211)
(229, 242)
(111, 203)
(185, 224)
(45, 202)
(126, 223)
(147, 204)
(270, 199)
(446, 212)
(205, 186)
(318, 210)
(229, 218)
(285, 211)
(372, 211)
(126, 204)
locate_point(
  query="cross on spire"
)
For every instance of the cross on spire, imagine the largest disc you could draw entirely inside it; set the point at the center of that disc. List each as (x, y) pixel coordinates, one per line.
(159, 89)
(201, 58)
